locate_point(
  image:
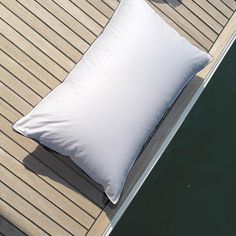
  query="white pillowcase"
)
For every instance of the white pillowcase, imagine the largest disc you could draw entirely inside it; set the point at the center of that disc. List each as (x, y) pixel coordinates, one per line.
(105, 110)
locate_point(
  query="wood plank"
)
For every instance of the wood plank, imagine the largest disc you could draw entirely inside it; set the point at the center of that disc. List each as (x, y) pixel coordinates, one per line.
(25, 63)
(78, 179)
(49, 193)
(176, 27)
(220, 44)
(112, 3)
(30, 145)
(49, 176)
(9, 112)
(92, 12)
(102, 7)
(47, 158)
(23, 223)
(6, 228)
(23, 93)
(32, 213)
(15, 101)
(230, 3)
(55, 23)
(204, 16)
(85, 35)
(73, 180)
(31, 35)
(20, 73)
(183, 23)
(212, 11)
(40, 202)
(221, 7)
(18, 87)
(193, 19)
(80, 16)
(39, 26)
(70, 21)
(169, 15)
(30, 49)
(12, 115)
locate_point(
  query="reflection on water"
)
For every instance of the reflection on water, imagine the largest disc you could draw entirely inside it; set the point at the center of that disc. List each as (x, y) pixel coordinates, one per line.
(191, 191)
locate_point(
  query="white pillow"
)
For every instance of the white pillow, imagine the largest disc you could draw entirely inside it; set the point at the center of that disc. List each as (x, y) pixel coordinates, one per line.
(110, 103)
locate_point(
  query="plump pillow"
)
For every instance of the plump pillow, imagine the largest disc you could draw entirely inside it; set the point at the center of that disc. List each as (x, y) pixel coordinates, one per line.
(107, 107)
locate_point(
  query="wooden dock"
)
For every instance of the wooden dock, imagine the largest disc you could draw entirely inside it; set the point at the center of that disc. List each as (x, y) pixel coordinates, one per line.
(43, 193)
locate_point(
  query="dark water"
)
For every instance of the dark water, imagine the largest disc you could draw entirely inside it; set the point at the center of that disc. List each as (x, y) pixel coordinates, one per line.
(192, 189)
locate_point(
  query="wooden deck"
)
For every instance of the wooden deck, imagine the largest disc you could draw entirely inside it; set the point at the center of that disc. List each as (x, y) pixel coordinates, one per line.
(43, 193)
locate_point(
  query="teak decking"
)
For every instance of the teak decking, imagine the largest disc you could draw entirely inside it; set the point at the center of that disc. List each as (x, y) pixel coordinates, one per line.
(43, 193)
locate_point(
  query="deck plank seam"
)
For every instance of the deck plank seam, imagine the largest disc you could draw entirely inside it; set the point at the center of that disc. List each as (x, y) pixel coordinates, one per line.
(59, 160)
(12, 108)
(113, 9)
(69, 183)
(40, 34)
(36, 46)
(58, 19)
(66, 71)
(19, 87)
(107, 12)
(53, 29)
(233, 8)
(16, 93)
(194, 26)
(21, 82)
(35, 207)
(27, 102)
(58, 80)
(45, 198)
(90, 16)
(51, 152)
(218, 9)
(30, 42)
(98, 9)
(178, 25)
(201, 18)
(179, 28)
(47, 183)
(78, 173)
(223, 28)
(227, 5)
(66, 26)
(185, 24)
(223, 25)
(26, 70)
(73, 18)
(28, 168)
(85, 27)
(22, 213)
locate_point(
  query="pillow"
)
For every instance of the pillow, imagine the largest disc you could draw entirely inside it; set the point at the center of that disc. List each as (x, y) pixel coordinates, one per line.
(107, 107)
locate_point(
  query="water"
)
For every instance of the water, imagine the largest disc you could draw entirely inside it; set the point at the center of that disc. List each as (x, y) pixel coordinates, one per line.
(192, 189)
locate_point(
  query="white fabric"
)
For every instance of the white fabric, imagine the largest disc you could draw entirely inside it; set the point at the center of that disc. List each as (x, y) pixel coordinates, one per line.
(105, 110)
